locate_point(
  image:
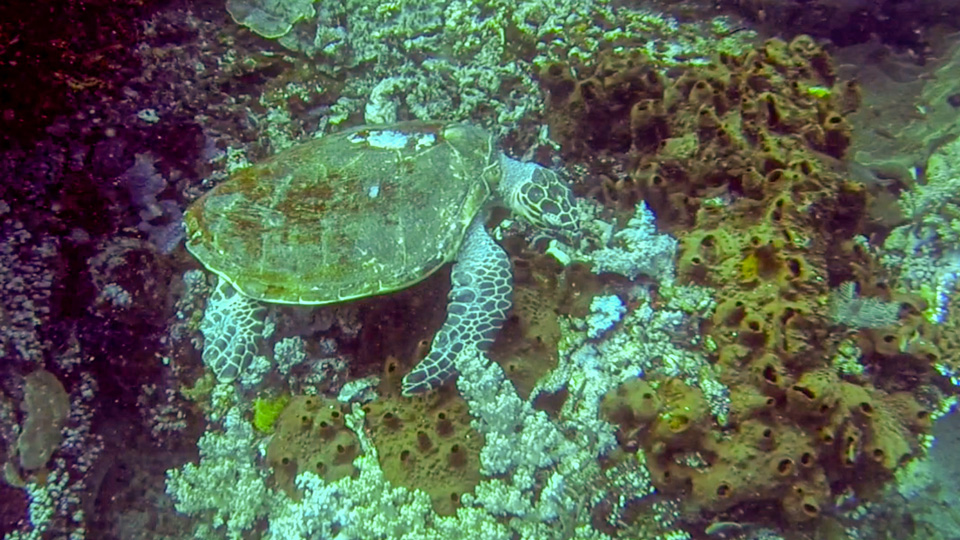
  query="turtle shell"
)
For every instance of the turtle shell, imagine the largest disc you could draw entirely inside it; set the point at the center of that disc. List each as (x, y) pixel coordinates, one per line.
(352, 214)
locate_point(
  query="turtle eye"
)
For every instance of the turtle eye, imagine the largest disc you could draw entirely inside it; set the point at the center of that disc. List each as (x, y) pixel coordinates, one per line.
(536, 195)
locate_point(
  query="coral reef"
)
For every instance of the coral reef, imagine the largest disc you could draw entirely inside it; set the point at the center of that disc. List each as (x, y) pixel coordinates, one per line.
(426, 444)
(736, 128)
(311, 436)
(750, 337)
(792, 443)
(735, 158)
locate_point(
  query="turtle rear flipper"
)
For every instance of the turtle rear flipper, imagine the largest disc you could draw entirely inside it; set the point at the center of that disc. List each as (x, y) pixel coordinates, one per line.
(480, 296)
(231, 326)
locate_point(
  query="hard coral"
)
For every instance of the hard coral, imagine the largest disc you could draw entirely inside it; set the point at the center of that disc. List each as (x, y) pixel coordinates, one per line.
(527, 346)
(789, 449)
(426, 443)
(311, 436)
(738, 159)
(733, 128)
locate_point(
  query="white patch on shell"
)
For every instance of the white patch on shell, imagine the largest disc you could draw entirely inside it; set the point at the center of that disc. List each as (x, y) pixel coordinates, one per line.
(373, 191)
(392, 140)
(426, 140)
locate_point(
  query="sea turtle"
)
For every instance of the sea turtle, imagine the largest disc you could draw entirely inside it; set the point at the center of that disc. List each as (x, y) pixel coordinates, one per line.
(375, 209)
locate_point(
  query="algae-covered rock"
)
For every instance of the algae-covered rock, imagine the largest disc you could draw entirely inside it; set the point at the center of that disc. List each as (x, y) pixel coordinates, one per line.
(46, 405)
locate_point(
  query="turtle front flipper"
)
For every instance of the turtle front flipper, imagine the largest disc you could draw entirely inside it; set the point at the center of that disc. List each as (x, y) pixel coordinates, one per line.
(482, 284)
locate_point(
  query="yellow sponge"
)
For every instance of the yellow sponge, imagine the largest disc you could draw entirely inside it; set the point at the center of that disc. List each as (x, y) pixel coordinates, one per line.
(266, 411)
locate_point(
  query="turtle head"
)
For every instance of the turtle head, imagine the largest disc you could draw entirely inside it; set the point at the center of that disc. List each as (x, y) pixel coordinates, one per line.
(540, 196)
